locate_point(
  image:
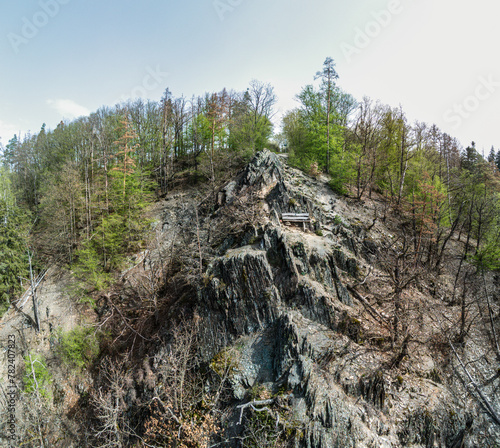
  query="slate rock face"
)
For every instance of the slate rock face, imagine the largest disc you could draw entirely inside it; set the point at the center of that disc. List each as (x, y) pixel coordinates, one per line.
(264, 171)
(282, 301)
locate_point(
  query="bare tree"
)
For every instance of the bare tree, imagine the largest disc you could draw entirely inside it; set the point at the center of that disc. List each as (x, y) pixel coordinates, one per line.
(261, 99)
(400, 262)
(367, 137)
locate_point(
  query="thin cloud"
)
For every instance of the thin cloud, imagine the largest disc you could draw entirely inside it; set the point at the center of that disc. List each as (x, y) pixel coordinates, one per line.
(68, 108)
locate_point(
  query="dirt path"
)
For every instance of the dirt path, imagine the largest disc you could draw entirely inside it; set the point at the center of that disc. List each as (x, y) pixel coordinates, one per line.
(57, 310)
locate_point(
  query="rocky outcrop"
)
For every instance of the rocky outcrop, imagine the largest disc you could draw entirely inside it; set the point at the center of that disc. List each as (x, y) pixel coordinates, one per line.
(279, 299)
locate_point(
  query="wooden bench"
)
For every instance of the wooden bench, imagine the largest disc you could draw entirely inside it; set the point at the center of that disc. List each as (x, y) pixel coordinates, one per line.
(296, 217)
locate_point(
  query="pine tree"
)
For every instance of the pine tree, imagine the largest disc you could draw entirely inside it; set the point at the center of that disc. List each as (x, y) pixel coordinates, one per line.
(497, 159)
(121, 227)
(13, 258)
(491, 155)
(328, 77)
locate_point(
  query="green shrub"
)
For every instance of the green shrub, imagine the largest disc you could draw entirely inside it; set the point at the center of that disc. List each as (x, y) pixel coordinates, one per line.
(88, 269)
(337, 220)
(78, 347)
(337, 185)
(37, 376)
(225, 363)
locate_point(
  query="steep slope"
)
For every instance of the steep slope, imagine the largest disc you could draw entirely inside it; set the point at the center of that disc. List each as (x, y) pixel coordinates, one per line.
(281, 298)
(236, 329)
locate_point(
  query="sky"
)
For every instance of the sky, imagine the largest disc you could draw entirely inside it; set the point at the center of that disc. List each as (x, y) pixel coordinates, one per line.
(438, 59)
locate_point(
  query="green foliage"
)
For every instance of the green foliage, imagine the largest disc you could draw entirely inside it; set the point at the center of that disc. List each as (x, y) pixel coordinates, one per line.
(249, 132)
(13, 246)
(337, 220)
(90, 179)
(258, 392)
(470, 160)
(337, 184)
(121, 229)
(88, 270)
(487, 258)
(36, 376)
(316, 133)
(250, 127)
(78, 347)
(225, 363)
(111, 240)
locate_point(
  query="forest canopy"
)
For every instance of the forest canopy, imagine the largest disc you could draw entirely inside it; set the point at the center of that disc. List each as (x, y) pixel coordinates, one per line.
(82, 188)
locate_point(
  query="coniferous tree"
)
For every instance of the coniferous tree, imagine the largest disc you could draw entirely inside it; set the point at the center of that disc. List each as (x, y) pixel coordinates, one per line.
(328, 77)
(491, 155)
(470, 158)
(13, 245)
(497, 160)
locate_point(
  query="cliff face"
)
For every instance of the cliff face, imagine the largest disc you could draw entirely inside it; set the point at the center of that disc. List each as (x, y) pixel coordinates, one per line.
(277, 296)
(237, 330)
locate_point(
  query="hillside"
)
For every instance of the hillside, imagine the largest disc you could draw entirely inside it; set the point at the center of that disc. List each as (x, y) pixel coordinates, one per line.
(236, 329)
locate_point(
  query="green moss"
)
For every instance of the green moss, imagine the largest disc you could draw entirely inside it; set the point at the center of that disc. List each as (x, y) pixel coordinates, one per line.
(258, 392)
(319, 232)
(283, 390)
(225, 363)
(254, 239)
